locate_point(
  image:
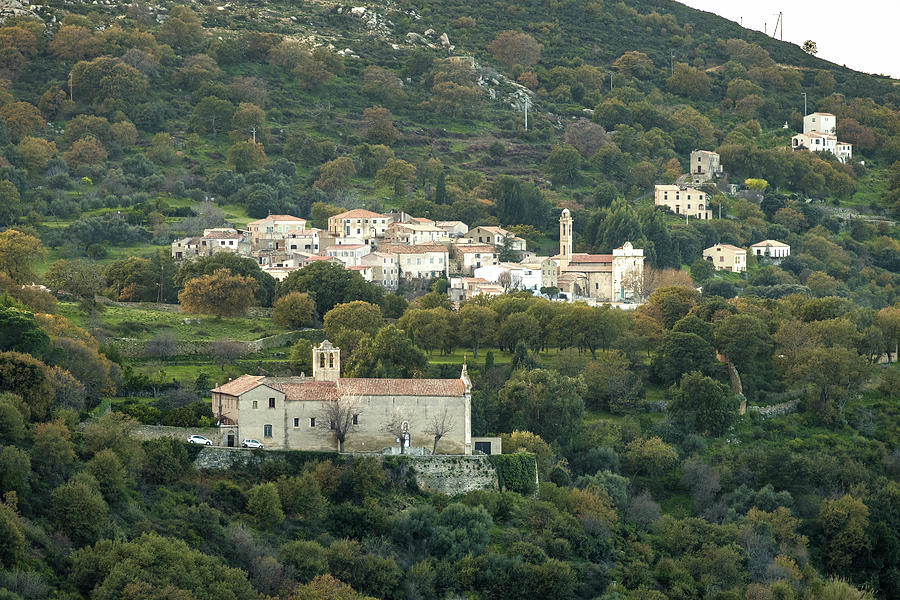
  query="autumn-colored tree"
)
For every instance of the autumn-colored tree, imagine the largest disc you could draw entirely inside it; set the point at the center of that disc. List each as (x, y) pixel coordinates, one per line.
(88, 151)
(634, 64)
(688, 81)
(246, 156)
(844, 522)
(220, 294)
(36, 153)
(335, 175)
(73, 42)
(54, 102)
(182, 30)
(21, 119)
(379, 126)
(197, 70)
(294, 311)
(124, 133)
(396, 173)
(512, 48)
(382, 84)
(18, 251)
(248, 122)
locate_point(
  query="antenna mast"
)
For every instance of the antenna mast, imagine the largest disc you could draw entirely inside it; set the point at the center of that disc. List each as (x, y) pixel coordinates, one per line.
(779, 22)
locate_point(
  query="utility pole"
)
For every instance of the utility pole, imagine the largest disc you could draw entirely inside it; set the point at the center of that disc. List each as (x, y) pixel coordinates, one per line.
(610, 81)
(71, 94)
(672, 61)
(525, 102)
(804, 103)
(780, 22)
(253, 131)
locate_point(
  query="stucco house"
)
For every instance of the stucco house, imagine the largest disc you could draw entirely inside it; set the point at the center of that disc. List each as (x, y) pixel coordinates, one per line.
(682, 200)
(421, 261)
(359, 223)
(496, 236)
(771, 249)
(474, 256)
(299, 413)
(264, 232)
(726, 257)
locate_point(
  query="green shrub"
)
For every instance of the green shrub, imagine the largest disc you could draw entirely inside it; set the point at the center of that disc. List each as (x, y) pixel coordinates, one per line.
(516, 472)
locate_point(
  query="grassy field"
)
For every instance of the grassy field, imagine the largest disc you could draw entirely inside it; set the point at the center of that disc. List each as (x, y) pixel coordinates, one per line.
(144, 323)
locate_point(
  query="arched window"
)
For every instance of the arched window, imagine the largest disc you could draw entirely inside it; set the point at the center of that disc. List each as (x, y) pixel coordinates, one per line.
(331, 361)
(322, 360)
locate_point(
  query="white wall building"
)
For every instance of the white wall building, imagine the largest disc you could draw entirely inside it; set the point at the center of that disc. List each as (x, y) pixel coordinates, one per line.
(820, 123)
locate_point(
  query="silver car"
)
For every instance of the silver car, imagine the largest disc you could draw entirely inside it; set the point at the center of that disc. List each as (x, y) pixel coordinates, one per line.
(199, 439)
(248, 443)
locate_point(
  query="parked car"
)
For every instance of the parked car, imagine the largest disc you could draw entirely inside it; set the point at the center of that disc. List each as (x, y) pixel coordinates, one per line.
(251, 444)
(199, 439)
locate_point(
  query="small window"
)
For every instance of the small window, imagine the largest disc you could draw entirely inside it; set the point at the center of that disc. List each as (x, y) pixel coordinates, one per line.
(312, 421)
(271, 402)
(296, 422)
(255, 404)
(356, 419)
(267, 431)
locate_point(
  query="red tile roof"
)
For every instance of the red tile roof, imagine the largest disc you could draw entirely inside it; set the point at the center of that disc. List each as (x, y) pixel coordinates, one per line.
(591, 258)
(242, 384)
(296, 388)
(358, 213)
(414, 248)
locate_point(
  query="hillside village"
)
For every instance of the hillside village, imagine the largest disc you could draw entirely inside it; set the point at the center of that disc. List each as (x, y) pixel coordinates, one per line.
(443, 299)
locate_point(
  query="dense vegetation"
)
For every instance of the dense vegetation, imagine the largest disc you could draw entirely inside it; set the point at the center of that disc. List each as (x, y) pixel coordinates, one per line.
(125, 126)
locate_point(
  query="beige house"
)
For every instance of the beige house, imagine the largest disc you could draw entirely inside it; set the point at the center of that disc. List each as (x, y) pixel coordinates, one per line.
(359, 223)
(820, 122)
(349, 254)
(771, 249)
(421, 261)
(726, 257)
(682, 200)
(413, 233)
(264, 232)
(473, 256)
(218, 239)
(495, 236)
(299, 412)
(705, 166)
(453, 228)
(383, 269)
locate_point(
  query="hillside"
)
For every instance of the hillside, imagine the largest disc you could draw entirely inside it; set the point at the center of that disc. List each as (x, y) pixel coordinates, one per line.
(733, 437)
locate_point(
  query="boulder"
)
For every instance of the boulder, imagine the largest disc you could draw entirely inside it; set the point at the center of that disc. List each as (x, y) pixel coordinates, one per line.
(445, 41)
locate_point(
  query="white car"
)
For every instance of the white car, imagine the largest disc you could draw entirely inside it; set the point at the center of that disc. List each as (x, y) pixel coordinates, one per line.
(199, 439)
(251, 444)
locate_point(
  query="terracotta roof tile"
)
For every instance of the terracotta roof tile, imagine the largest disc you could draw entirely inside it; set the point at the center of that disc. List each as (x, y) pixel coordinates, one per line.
(242, 384)
(307, 390)
(414, 248)
(403, 387)
(591, 258)
(359, 213)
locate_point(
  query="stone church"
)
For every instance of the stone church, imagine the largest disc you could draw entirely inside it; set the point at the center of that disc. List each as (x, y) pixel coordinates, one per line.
(602, 277)
(297, 413)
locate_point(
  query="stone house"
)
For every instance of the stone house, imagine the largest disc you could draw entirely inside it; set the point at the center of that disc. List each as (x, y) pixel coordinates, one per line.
(298, 412)
(383, 269)
(705, 165)
(349, 254)
(453, 228)
(265, 232)
(682, 200)
(726, 257)
(360, 223)
(413, 233)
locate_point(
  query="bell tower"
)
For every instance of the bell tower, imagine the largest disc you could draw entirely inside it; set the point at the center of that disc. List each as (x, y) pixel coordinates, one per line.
(565, 238)
(326, 362)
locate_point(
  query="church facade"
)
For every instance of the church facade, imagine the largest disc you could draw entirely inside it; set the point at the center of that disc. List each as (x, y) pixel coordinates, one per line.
(602, 277)
(298, 413)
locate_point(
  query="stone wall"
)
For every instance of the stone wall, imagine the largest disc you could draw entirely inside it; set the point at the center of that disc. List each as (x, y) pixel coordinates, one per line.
(253, 311)
(448, 475)
(775, 410)
(155, 432)
(452, 475)
(135, 348)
